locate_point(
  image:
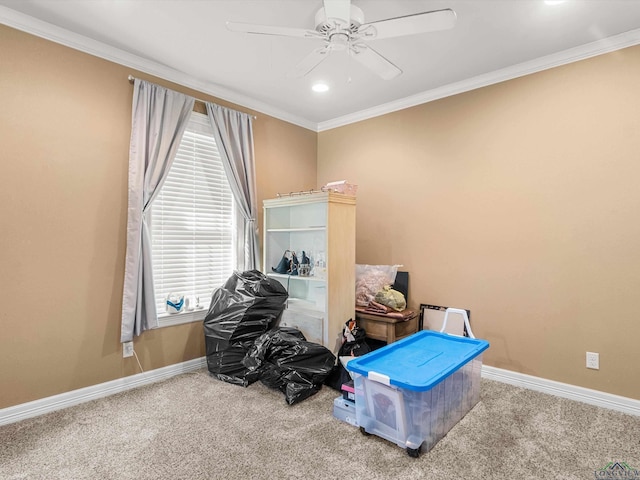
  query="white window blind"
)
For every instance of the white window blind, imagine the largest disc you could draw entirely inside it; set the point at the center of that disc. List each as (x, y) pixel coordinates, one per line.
(192, 220)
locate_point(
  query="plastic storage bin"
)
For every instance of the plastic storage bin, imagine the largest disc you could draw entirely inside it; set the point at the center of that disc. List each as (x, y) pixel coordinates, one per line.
(411, 392)
(345, 410)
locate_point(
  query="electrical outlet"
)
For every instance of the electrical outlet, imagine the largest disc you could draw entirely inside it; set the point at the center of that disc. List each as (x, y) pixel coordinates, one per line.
(127, 349)
(593, 360)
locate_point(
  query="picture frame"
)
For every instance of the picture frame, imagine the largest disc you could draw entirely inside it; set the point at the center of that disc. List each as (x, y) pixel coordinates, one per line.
(432, 317)
(386, 406)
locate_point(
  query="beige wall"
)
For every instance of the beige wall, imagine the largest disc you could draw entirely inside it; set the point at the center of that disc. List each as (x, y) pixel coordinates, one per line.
(64, 126)
(520, 202)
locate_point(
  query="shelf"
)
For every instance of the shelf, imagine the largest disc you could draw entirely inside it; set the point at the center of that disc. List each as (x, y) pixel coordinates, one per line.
(323, 226)
(306, 199)
(305, 306)
(296, 277)
(301, 229)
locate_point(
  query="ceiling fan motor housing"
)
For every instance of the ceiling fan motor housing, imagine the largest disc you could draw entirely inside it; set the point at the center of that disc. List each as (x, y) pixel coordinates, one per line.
(349, 27)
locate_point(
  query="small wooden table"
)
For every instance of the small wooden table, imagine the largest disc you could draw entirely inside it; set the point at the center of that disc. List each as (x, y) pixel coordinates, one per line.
(387, 328)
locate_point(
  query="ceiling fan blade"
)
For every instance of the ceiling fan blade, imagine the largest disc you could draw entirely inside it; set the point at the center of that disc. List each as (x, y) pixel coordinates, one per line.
(310, 62)
(410, 24)
(272, 30)
(371, 59)
(337, 10)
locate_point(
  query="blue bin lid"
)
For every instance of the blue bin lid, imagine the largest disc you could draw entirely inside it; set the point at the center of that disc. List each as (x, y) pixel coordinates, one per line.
(420, 361)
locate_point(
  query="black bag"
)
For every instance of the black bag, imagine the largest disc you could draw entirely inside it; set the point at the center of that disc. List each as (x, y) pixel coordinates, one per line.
(245, 307)
(282, 359)
(349, 348)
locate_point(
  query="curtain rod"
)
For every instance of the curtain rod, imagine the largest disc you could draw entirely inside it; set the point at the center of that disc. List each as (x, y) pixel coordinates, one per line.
(132, 79)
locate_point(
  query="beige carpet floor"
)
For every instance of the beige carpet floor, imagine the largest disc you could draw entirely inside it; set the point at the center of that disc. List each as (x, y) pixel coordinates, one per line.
(196, 427)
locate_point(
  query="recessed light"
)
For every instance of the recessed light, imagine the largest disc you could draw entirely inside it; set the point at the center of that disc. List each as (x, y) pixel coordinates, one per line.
(553, 2)
(320, 87)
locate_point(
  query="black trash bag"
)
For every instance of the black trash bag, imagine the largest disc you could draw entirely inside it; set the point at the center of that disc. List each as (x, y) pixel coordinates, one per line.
(227, 365)
(246, 306)
(349, 348)
(264, 346)
(285, 361)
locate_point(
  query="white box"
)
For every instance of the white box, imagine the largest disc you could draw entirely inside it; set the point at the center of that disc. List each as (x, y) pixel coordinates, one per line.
(345, 410)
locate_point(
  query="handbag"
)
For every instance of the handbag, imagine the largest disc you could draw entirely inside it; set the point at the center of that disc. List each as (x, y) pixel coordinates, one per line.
(283, 265)
(288, 264)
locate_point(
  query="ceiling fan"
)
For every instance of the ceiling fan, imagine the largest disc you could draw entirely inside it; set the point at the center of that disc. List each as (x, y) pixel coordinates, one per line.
(341, 25)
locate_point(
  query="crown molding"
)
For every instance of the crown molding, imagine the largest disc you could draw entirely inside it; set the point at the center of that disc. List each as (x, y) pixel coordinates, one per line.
(582, 52)
(84, 44)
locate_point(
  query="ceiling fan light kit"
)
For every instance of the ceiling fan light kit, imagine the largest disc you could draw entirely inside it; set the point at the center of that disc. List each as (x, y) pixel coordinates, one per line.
(320, 87)
(341, 25)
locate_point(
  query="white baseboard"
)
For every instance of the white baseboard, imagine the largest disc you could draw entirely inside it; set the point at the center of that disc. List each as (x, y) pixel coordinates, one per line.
(564, 390)
(75, 397)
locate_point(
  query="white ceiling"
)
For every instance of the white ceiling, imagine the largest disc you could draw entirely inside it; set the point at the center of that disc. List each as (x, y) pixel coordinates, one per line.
(186, 41)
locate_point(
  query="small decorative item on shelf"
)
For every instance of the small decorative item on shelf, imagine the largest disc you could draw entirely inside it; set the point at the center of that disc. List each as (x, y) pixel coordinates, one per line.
(191, 303)
(341, 186)
(293, 266)
(175, 303)
(320, 266)
(304, 269)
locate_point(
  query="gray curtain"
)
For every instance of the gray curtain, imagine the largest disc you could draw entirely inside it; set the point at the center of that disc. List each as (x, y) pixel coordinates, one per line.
(159, 119)
(233, 132)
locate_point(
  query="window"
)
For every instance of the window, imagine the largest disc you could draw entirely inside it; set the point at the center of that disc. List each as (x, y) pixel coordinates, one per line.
(193, 223)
